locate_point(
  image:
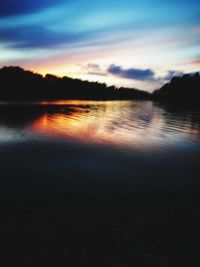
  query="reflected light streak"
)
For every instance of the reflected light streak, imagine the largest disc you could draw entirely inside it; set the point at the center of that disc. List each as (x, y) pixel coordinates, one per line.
(124, 124)
(95, 122)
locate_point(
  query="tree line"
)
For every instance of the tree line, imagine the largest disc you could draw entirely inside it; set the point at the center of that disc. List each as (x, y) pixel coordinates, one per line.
(17, 84)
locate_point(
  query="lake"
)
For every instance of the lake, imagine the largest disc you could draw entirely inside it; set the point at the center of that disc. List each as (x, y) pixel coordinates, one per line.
(97, 144)
(102, 183)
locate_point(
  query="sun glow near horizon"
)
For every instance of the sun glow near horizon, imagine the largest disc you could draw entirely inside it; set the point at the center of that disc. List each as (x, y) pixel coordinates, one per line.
(126, 44)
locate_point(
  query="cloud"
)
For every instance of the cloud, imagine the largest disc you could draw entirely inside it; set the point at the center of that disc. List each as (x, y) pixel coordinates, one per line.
(94, 69)
(20, 7)
(33, 36)
(132, 73)
(170, 75)
(145, 75)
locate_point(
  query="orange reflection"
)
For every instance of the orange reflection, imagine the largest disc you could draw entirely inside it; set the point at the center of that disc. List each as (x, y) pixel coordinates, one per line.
(105, 122)
(121, 123)
(76, 102)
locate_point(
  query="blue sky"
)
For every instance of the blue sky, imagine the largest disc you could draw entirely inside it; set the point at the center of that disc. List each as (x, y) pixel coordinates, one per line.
(126, 43)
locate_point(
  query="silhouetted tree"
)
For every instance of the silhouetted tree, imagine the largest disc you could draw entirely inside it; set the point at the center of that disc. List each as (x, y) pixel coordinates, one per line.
(19, 85)
(185, 89)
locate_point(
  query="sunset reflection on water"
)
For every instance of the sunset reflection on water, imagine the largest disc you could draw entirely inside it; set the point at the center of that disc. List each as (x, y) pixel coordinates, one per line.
(120, 123)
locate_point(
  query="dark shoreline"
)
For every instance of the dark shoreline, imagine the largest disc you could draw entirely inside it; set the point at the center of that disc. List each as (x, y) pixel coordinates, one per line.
(23, 85)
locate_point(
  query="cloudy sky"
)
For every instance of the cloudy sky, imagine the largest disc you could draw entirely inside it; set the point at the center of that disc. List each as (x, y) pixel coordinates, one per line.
(130, 43)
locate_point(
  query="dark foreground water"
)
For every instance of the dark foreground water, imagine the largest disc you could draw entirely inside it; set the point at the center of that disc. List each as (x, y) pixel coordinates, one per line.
(99, 183)
(98, 144)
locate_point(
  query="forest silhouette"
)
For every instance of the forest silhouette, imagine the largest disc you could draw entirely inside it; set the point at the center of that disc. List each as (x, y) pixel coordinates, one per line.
(18, 84)
(183, 89)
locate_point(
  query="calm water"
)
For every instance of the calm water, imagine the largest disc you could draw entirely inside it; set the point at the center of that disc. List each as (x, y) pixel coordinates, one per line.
(104, 144)
(125, 124)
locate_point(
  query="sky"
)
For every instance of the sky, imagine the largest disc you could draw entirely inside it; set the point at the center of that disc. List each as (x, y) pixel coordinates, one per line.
(140, 44)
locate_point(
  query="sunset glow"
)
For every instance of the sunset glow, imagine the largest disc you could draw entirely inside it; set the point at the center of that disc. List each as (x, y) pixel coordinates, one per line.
(83, 39)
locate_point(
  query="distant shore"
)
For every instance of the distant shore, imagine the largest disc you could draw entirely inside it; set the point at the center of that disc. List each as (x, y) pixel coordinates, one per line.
(21, 85)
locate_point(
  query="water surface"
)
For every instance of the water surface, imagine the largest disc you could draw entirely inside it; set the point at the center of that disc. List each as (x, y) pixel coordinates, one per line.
(101, 143)
(126, 124)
